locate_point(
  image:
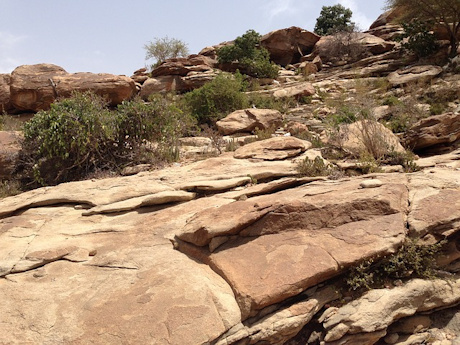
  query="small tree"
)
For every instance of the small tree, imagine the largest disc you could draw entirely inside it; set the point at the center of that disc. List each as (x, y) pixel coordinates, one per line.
(419, 39)
(247, 52)
(334, 19)
(443, 12)
(164, 48)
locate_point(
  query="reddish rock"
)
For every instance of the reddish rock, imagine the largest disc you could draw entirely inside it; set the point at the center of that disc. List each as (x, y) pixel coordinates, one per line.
(248, 120)
(183, 66)
(287, 46)
(35, 87)
(434, 131)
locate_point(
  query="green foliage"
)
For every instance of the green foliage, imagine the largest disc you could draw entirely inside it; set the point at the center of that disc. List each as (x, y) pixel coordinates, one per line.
(216, 99)
(391, 100)
(405, 159)
(314, 167)
(247, 52)
(344, 114)
(445, 13)
(164, 48)
(80, 135)
(420, 40)
(368, 164)
(411, 261)
(333, 19)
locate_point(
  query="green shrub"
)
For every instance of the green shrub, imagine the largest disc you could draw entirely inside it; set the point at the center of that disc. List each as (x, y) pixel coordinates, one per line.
(247, 52)
(420, 40)
(313, 167)
(80, 135)
(411, 261)
(217, 98)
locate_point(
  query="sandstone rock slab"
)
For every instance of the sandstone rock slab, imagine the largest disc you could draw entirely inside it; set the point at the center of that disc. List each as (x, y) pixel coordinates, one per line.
(35, 87)
(273, 149)
(248, 120)
(416, 74)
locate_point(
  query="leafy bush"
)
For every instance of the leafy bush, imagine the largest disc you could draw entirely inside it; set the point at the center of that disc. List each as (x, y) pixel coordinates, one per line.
(333, 19)
(411, 261)
(420, 40)
(164, 48)
(217, 98)
(247, 52)
(80, 134)
(313, 167)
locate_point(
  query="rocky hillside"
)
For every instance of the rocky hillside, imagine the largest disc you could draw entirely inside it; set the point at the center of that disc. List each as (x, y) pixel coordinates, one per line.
(298, 238)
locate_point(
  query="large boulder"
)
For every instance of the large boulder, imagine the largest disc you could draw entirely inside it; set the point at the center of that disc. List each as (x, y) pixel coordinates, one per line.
(183, 66)
(366, 136)
(275, 246)
(35, 87)
(434, 132)
(287, 46)
(412, 75)
(248, 120)
(303, 89)
(351, 47)
(276, 148)
(162, 84)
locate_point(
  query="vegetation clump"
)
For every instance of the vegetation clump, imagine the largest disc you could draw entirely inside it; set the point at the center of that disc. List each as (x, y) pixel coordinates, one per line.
(314, 167)
(217, 98)
(418, 39)
(164, 48)
(410, 261)
(333, 19)
(81, 134)
(247, 52)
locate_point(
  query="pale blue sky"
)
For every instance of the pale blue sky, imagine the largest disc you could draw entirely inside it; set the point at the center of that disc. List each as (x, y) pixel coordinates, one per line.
(108, 36)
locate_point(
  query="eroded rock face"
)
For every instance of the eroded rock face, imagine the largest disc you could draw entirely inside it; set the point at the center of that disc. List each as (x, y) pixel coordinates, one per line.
(287, 46)
(280, 245)
(35, 87)
(277, 148)
(183, 66)
(248, 120)
(414, 75)
(439, 131)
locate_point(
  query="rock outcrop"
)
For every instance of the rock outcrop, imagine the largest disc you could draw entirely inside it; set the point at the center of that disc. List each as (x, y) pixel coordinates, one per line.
(248, 120)
(287, 46)
(145, 258)
(35, 87)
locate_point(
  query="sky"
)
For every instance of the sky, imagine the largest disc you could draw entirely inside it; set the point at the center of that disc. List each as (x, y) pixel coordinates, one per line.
(108, 36)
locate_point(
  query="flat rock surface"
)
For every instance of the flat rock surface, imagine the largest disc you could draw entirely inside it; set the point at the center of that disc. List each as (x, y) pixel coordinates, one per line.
(151, 258)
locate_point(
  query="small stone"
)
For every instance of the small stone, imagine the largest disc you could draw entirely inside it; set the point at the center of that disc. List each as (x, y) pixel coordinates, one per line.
(374, 183)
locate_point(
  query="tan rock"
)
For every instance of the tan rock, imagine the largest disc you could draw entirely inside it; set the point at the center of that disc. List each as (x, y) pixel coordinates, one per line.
(315, 244)
(162, 84)
(35, 87)
(273, 149)
(366, 136)
(299, 90)
(248, 120)
(434, 131)
(183, 66)
(379, 308)
(416, 74)
(287, 46)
